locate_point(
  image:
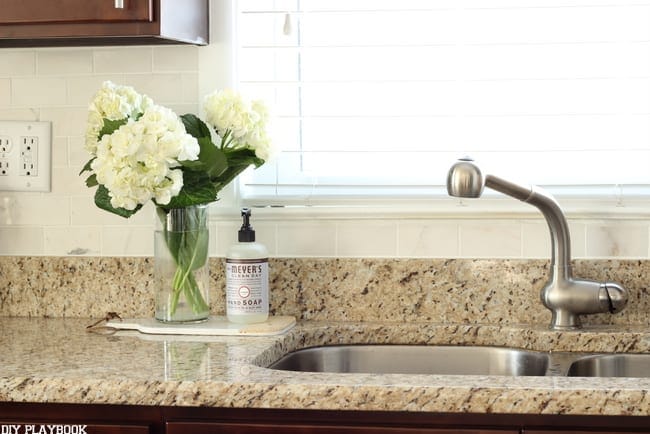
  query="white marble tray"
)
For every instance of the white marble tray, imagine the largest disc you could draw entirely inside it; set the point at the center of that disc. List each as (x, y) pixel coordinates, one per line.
(214, 326)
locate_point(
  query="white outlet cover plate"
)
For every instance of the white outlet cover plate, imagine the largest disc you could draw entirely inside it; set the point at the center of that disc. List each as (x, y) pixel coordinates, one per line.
(12, 178)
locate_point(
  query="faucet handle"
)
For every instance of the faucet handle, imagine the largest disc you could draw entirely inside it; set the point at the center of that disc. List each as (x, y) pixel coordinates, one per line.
(616, 296)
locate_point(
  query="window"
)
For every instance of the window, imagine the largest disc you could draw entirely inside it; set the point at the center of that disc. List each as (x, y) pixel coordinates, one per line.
(377, 98)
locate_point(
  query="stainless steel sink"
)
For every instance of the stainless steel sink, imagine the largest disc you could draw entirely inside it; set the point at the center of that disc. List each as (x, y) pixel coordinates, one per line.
(611, 365)
(414, 359)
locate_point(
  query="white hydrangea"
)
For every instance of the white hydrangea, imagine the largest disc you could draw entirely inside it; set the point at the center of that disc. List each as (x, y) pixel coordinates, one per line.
(137, 162)
(228, 112)
(112, 102)
(257, 136)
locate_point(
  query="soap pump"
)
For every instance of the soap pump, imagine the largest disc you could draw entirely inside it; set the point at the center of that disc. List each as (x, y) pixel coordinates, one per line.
(247, 277)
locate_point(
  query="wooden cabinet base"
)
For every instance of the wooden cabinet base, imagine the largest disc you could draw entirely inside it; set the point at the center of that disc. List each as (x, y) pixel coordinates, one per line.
(114, 419)
(254, 428)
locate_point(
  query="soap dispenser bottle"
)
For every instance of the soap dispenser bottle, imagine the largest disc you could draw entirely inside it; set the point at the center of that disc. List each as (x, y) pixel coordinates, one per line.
(247, 277)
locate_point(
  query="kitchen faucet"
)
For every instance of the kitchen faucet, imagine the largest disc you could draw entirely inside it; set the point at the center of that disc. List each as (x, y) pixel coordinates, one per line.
(565, 296)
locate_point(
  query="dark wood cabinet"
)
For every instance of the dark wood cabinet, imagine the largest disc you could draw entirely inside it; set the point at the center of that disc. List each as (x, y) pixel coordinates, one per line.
(26, 23)
(565, 431)
(128, 419)
(97, 419)
(76, 427)
(276, 428)
(74, 11)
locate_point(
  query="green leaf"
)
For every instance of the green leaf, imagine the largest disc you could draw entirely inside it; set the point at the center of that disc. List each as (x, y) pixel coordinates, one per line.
(211, 160)
(195, 126)
(238, 161)
(87, 167)
(190, 251)
(110, 126)
(197, 189)
(214, 158)
(192, 248)
(243, 157)
(194, 165)
(103, 201)
(91, 181)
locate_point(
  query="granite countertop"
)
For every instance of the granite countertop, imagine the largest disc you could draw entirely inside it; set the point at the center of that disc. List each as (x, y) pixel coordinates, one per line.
(57, 360)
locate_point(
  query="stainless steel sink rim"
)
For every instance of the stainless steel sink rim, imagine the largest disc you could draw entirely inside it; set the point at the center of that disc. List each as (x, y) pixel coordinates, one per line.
(611, 365)
(460, 360)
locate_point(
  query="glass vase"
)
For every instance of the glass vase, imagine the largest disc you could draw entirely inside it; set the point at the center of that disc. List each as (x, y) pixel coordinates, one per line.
(181, 272)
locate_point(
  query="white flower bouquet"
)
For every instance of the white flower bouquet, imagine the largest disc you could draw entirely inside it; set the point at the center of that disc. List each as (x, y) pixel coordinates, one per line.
(141, 151)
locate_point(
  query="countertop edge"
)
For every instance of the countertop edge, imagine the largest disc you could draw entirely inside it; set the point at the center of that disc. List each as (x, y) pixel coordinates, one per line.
(69, 365)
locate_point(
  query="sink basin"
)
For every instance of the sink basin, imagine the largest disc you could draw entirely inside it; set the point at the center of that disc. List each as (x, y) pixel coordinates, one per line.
(415, 359)
(611, 365)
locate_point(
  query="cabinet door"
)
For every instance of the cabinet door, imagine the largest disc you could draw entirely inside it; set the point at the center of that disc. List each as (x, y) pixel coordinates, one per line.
(566, 431)
(73, 426)
(74, 11)
(61, 23)
(237, 428)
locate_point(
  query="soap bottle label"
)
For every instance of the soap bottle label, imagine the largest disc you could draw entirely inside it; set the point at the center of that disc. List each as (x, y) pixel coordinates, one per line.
(247, 286)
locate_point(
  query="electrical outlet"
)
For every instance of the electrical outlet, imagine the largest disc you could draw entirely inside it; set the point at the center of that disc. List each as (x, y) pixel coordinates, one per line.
(25, 155)
(28, 156)
(5, 145)
(4, 167)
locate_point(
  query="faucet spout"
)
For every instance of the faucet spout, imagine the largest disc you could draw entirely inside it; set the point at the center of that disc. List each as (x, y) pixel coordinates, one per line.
(564, 296)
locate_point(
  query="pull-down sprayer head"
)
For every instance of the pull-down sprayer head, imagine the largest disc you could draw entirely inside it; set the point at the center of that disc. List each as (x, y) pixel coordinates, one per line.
(465, 179)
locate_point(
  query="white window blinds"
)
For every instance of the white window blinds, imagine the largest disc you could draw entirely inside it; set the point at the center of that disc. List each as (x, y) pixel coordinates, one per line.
(379, 97)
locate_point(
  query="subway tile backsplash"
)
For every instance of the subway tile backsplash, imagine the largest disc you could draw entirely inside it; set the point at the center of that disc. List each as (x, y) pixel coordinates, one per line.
(56, 84)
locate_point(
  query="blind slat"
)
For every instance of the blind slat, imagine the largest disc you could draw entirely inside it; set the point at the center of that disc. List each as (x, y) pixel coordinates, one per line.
(376, 96)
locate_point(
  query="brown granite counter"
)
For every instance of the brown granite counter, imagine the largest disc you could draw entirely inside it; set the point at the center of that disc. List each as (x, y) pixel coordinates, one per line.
(452, 291)
(56, 360)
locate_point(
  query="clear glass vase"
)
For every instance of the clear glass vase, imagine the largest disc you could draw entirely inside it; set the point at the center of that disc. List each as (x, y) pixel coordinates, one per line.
(181, 272)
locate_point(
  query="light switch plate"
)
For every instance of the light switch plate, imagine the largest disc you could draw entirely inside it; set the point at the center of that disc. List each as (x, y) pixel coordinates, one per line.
(25, 156)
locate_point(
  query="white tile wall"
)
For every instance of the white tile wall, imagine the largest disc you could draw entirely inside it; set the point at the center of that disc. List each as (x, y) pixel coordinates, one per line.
(626, 239)
(489, 238)
(304, 238)
(21, 240)
(5, 92)
(73, 240)
(55, 62)
(133, 60)
(18, 63)
(367, 238)
(428, 238)
(55, 84)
